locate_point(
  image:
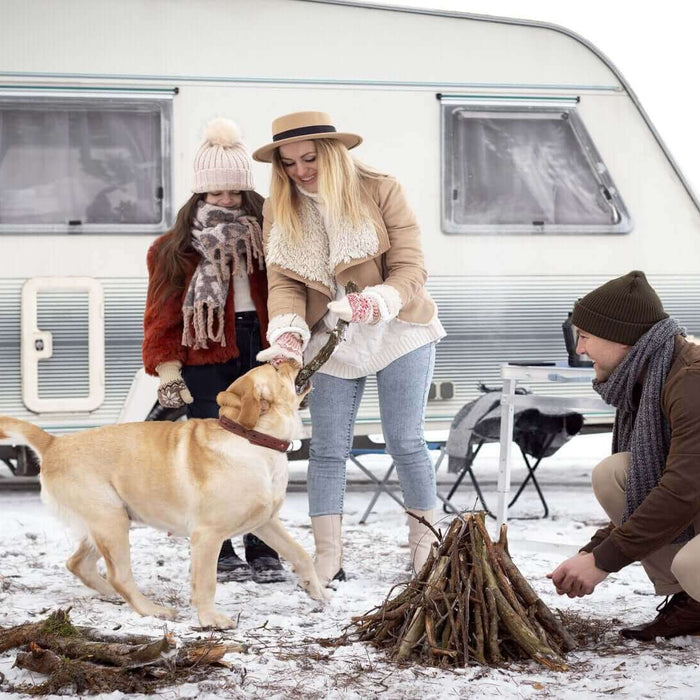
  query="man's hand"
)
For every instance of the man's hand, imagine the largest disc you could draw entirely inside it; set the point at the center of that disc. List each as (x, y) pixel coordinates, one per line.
(577, 576)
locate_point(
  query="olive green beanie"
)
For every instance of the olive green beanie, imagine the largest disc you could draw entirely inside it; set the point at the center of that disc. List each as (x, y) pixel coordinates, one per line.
(621, 310)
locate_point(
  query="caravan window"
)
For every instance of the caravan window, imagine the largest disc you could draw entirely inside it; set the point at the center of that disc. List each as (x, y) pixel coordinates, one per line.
(515, 170)
(83, 165)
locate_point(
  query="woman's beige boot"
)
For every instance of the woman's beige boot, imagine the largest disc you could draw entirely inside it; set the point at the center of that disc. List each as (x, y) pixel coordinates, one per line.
(329, 548)
(420, 537)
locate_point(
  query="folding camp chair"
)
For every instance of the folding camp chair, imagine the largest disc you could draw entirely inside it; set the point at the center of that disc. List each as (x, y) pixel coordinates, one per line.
(468, 470)
(537, 434)
(362, 445)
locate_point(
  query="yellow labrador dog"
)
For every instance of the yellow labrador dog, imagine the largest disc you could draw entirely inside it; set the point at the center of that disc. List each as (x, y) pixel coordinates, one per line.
(195, 478)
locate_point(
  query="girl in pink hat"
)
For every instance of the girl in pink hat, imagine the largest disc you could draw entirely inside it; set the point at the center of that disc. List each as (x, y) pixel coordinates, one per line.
(203, 329)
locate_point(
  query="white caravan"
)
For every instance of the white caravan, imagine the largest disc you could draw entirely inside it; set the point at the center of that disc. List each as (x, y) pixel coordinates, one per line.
(533, 170)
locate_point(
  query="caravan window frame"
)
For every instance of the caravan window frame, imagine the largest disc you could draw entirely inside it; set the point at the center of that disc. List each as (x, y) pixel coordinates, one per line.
(622, 221)
(160, 103)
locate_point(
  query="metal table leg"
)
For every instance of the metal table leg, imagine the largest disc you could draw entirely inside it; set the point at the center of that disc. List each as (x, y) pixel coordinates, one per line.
(506, 442)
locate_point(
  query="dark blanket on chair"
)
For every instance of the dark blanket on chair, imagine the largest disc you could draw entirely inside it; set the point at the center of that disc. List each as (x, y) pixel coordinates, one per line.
(532, 430)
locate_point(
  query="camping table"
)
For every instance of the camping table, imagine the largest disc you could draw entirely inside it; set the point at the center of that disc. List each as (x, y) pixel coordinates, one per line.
(511, 375)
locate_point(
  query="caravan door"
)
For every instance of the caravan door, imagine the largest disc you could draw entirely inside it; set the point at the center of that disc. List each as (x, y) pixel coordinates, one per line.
(63, 344)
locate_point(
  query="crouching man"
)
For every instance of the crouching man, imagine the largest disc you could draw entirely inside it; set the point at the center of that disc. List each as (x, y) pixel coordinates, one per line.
(650, 485)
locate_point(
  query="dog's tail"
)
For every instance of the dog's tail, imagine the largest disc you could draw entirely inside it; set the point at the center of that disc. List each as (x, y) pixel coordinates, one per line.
(39, 440)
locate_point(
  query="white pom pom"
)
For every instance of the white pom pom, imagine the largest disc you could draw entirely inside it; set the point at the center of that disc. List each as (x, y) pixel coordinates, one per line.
(222, 132)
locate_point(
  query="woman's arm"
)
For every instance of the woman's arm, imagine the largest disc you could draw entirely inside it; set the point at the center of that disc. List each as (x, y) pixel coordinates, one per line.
(162, 325)
(286, 297)
(405, 264)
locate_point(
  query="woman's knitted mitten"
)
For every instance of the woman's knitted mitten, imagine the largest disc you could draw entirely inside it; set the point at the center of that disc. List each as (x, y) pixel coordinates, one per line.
(357, 308)
(172, 392)
(287, 347)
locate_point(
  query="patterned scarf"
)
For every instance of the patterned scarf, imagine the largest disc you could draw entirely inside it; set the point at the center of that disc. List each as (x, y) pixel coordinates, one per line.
(643, 429)
(227, 241)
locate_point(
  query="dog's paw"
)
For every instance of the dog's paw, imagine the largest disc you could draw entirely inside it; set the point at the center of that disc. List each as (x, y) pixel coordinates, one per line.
(163, 613)
(317, 591)
(326, 594)
(216, 620)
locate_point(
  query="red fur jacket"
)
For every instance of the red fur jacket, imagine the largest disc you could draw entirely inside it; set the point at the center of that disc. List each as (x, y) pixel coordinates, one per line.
(163, 324)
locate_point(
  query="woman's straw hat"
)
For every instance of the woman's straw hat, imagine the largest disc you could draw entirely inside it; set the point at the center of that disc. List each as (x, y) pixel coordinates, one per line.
(303, 126)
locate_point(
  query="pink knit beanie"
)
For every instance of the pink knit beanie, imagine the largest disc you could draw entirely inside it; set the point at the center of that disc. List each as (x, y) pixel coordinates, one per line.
(222, 161)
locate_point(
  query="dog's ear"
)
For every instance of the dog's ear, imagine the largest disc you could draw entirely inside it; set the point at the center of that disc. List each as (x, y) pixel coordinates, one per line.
(230, 403)
(247, 393)
(229, 400)
(250, 410)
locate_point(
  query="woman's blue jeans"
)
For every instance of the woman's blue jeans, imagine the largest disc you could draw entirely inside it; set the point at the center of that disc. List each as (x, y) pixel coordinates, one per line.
(403, 393)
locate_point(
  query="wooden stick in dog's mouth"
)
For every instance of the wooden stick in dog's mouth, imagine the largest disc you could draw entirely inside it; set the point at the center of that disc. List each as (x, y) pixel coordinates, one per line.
(335, 337)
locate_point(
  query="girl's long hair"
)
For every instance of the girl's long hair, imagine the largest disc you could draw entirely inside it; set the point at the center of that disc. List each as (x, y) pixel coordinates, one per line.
(339, 179)
(175, 258)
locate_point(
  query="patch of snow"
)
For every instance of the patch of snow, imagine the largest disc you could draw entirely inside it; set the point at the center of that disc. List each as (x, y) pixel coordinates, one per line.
(279, 622)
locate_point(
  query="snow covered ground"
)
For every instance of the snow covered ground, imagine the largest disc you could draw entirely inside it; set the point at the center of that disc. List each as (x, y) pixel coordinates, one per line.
(279, 622)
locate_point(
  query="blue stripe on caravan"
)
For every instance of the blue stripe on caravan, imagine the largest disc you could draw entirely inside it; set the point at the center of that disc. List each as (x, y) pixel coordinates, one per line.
(305, 81)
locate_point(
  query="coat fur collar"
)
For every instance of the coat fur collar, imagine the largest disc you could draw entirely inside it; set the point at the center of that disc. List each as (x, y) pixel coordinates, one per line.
(327, 245)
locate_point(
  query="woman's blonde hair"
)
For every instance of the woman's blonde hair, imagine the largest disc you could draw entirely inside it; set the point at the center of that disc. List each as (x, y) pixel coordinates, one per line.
(339, 178)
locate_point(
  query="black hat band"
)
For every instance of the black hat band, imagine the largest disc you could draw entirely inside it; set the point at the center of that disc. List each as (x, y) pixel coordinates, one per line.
(304, 131)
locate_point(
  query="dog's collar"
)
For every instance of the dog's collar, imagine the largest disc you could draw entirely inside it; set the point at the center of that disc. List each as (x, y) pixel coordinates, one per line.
(253, 436)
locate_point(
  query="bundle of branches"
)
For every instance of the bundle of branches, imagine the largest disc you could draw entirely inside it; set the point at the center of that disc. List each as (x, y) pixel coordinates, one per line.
(468, 604)
(93, 662)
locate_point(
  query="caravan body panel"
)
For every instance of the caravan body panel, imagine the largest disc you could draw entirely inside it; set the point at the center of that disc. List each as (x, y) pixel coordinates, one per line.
(387, 74)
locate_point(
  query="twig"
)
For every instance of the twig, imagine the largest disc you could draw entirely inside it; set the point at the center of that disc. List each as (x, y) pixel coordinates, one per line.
(422, 520)
(335, 337)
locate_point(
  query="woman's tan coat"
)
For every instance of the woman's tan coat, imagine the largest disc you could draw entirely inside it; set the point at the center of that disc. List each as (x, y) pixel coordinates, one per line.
(398, 262)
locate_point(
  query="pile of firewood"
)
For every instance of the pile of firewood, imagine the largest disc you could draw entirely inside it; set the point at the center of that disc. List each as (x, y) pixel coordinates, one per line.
(92, 662)
(468, 605)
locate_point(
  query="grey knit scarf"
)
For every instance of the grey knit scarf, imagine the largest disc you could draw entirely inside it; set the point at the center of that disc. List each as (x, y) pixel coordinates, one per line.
(642, 429)
(227, 240)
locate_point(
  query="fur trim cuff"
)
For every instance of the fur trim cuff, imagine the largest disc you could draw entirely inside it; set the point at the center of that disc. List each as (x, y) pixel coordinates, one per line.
(388, 299)
(288, 323)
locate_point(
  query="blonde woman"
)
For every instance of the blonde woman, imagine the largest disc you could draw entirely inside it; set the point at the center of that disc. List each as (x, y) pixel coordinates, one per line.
(329, 220)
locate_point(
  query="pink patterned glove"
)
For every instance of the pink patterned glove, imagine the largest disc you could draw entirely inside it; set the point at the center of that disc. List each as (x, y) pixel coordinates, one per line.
(357, 308)
(287, 347)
